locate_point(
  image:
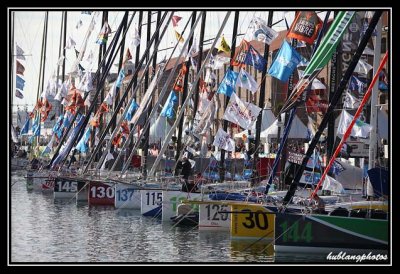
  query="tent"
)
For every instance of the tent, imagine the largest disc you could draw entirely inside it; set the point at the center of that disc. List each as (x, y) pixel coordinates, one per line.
(267, 119)
(298, 129)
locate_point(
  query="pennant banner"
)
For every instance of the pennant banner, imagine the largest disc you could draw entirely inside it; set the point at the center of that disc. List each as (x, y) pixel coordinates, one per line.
(261, 32)
(228, 84)
(245, 80)
(224, 141)
(285, 62)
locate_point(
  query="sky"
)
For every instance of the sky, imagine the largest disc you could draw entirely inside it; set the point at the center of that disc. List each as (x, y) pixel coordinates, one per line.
(28, 33)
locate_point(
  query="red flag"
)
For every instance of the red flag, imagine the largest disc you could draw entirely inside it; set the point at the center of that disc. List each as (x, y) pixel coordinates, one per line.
(178, 86)
(305, 27)
(175, 20)
(240, 56)
(20, 68)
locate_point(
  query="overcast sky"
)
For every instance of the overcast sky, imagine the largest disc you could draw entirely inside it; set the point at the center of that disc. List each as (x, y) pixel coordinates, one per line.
(28, 32)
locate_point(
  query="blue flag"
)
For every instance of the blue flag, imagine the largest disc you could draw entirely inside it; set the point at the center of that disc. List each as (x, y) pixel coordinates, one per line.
(82, 145)
(285, 62)
(20, 82)
(25, 128)
(168, 109)
(131, 110)
(255, 59)
(57, 128)
(121, 76)
(356, 84)
(228, 84)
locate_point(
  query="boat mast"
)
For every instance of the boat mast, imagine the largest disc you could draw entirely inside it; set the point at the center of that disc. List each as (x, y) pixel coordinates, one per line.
(184, 94)
(261, 100)
(225, 125)
(373, 142)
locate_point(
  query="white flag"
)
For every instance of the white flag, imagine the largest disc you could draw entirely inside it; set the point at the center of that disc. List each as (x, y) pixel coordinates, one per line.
(89, 57)
(194, 49)
(241, 113)
(20, 53)
(210, 78)
(360, 129)
(224, 141)
(219, 61)
(332, 185)
(317, 84)
(362, 67)
(70, 43)
(136, 38)
(350, 101)
(86, 83)
(245, 80)
(261, 32)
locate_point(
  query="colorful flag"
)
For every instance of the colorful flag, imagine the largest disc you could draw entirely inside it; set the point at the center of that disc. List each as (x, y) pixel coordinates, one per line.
(48, 147)
(224, 141)
(20, 53)
(241, 113)
(20, 68)
(351, 102)
(305, 27)
(175, 20)
(321, 57)
(103, 35)
(20, 82)
(360, 128)
(25, 128)
(178, 85)
(228, 84)
(223, 46)
(285, 62)
(179, 37)
(261, 32)
(245, 80)
(19, 94)
(356, 84)
(131, 110)
(255, 59)
(82, 145)
(168, 109)
(121, 76)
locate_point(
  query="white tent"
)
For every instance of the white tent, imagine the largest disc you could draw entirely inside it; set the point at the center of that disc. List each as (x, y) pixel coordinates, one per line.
(267, 119)
(298, 129)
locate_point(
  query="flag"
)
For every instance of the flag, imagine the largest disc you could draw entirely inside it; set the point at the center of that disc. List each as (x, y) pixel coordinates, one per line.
(360, 128)
(45, 110)
(36, 126)
(20, 82)
(128, 55)
(241, 113)
(48, 147)
(351, 102)
(60, 61)
(175, 20)
(70, 43)
(82, 145)
(19, 94)
(254, 58)
(25, 128)
(224, 141)
(168, 109)
(58, 127)
(20, 68)
(121, 76)
(261, 32)
(194, 49)
(228, 84)
(20, 53)
(332, 185)
(178, 85)
(336, 168)
(356, 84)
(245, 80)
(321, 57)
(90, 57)
(136, 38)
(223, 46)
(131, 110)
(305, 27)
(103, 35)
(210, 78)
(179, 37)
(362, 67)
(285, 62)
(86, 82)
(79, 24)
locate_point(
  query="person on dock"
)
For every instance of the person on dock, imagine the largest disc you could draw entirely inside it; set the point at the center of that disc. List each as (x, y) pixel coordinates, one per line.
(186, 170)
